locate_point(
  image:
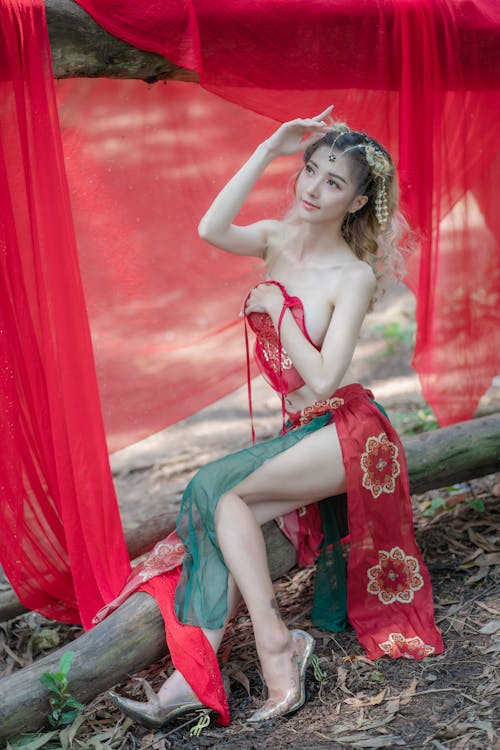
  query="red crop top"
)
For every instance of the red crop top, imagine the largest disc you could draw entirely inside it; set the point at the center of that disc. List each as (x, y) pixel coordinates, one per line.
(272, 360)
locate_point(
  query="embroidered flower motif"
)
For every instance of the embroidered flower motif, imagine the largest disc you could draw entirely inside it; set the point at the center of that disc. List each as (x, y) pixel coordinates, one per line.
(395, 578)
(268, 342)
(319, 408)
(380, 465)
(409, 648)
(164, 556)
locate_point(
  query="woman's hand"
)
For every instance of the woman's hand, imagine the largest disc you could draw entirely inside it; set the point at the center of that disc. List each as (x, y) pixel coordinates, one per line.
(293, 137)
(265, 298)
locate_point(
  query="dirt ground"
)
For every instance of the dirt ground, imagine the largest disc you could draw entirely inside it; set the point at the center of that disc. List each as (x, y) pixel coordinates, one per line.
(448, 702)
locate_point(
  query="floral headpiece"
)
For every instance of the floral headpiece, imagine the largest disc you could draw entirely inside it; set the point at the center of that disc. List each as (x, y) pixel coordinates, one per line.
(380, 167)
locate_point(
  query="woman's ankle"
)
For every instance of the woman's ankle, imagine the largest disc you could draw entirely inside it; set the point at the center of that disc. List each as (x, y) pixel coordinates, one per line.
(174, 689)
(274, 641)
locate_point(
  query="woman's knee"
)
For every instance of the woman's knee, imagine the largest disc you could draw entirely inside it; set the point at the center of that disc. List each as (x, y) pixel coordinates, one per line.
(226, 504)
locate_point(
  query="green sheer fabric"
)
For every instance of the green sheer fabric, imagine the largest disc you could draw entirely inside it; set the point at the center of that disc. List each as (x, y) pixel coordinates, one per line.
(201, 596)
(330, 581)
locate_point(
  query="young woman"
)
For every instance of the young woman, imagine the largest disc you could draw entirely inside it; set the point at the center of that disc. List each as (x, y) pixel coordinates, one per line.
(307, 316)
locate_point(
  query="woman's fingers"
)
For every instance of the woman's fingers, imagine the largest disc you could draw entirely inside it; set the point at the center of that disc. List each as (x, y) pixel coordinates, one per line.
(324, 114)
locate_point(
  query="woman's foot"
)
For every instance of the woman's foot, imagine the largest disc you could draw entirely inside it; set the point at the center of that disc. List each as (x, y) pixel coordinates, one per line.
(295, 695)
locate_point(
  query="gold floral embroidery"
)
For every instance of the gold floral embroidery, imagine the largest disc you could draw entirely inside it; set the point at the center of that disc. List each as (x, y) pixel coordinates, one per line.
(268, 340)
(395, 578)
(164, 556)
(380, 465)
(319, 408)
(409, 648)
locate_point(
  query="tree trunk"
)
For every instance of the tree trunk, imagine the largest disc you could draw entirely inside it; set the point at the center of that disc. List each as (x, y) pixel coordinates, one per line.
(81, 48)
(139, 539)
(133, 636)
(435, 459)
(128, 640)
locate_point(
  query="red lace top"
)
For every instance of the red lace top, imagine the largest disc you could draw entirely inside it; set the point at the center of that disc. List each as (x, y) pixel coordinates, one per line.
(272, 360)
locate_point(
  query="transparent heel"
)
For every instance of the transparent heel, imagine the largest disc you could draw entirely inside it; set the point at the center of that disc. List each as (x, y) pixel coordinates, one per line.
(296, 694)
(153, 715)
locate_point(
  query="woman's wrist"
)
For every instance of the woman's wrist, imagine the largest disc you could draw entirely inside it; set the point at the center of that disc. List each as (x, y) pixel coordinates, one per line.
(267, 150)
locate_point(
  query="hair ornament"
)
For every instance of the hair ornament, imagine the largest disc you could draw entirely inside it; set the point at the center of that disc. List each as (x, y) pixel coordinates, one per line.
(381, 168)
(340, 129)
(381, 208)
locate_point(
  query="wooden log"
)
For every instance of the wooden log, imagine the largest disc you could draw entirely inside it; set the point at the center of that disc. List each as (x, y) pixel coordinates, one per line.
(125, 642)
(81, 48)
(435, 459)
(139, 539)
(133, 636)
(453, 454)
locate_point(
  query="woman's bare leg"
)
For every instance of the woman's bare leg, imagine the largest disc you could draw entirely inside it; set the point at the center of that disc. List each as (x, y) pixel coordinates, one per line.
(176, 687)
(309, 471)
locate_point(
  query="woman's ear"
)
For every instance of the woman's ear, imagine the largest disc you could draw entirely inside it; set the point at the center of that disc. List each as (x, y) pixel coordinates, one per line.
(357, 203)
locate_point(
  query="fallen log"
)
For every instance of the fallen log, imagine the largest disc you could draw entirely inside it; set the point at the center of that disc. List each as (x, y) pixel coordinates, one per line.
(138, 538)
(81, 48)
(133, 636)
(127, 641)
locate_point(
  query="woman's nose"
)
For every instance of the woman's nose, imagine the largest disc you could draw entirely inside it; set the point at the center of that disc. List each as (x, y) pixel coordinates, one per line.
(313, 186)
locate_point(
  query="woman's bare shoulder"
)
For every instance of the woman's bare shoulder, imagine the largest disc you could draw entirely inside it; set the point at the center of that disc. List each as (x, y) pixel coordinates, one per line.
(353, 278)
(360, 273)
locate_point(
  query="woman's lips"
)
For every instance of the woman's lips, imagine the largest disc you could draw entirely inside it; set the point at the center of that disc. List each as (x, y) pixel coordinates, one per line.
(309, 206)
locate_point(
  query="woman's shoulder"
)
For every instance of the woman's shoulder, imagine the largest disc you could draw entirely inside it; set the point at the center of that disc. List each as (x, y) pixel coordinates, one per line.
(356, 276)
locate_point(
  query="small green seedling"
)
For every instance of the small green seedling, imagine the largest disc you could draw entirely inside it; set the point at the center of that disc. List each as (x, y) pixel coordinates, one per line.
(64, 708)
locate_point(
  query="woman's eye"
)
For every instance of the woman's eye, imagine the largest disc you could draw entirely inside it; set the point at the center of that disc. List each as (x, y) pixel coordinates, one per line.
(308, 169)
(333, 183)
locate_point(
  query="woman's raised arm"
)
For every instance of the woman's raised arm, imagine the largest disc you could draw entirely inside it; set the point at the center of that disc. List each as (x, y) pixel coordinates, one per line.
(217, 228)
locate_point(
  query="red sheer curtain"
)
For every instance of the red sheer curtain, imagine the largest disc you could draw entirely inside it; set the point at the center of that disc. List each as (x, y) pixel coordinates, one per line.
(420, 75)
(61, 545)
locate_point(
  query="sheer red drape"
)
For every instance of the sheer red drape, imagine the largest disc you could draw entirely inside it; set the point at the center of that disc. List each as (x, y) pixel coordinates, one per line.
(61, 544)
(420, 75)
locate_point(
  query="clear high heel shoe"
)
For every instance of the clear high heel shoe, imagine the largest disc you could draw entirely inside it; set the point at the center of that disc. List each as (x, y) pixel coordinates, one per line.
(155, 716)
(296, 694)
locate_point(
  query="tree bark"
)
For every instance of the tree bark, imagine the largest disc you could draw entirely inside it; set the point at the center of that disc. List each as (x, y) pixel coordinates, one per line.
(128, 640)
(133, 636)
(435, 459)
(81, 48)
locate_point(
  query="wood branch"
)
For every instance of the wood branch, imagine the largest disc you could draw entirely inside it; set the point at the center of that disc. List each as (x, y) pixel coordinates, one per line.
(128, 640)
(133, 636)
(81, 48)
(453, 454)
(138, 538)
(435, 459)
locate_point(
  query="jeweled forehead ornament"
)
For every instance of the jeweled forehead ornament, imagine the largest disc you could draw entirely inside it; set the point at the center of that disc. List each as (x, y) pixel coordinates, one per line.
(331, 156)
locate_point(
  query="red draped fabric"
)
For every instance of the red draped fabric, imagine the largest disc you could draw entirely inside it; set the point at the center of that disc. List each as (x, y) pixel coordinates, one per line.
(61, 544)
(423, 77)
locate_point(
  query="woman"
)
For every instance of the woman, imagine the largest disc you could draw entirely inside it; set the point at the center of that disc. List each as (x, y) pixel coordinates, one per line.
(307, 316)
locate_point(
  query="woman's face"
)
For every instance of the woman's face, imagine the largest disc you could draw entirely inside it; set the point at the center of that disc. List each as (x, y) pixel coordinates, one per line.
(325, 191)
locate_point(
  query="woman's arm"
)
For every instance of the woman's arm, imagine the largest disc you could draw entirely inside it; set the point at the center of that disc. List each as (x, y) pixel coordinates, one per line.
(322, 370)
(217, 228)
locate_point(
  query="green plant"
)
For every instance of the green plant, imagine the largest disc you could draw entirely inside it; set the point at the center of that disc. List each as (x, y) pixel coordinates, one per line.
(415, 422)
(64, 707)
(396, 334)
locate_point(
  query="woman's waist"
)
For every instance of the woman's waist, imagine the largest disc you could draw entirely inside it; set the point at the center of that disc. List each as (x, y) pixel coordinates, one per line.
(304, 405)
